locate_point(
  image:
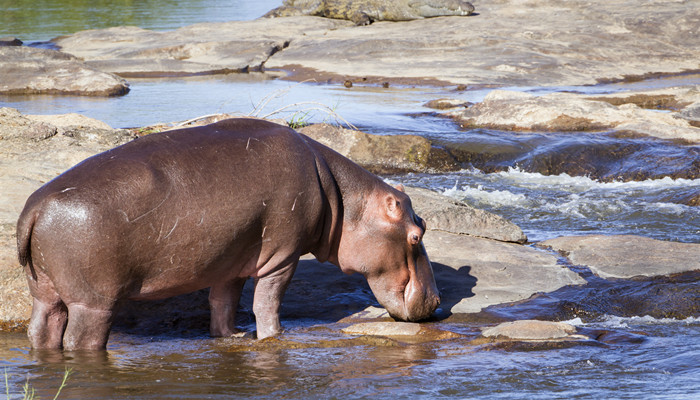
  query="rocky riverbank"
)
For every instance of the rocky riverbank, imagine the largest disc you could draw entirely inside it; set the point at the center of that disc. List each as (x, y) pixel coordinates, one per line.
(505, 43)
(479, 258)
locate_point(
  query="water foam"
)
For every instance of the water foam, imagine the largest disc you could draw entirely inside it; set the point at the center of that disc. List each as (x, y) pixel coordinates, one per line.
(492, 197)
(614, 321)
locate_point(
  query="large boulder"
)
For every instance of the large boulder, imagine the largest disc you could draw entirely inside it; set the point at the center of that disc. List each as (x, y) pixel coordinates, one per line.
(28, 70)
(376, 153)
(627, 256)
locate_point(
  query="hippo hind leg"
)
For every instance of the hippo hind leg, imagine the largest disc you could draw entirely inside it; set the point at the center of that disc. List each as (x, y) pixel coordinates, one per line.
(48, 322)
(88, 328)
(49, 312)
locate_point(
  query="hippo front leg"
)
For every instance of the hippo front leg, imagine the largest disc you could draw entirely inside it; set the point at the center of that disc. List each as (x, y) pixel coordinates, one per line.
(223, 302)
(267, 300)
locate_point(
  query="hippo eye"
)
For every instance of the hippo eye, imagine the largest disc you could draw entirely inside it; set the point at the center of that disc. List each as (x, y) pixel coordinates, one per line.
(415, 239)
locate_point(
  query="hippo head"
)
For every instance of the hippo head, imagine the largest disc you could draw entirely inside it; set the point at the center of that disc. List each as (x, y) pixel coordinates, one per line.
(383, 242)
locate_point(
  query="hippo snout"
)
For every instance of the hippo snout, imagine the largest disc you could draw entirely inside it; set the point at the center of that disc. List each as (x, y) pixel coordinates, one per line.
(419, 309)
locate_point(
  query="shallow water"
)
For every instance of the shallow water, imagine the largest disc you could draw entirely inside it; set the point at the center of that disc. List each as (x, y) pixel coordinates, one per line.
(651, 359)
(636, 356)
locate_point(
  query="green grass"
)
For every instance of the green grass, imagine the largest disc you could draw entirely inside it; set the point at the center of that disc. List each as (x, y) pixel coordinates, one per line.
(29, 393)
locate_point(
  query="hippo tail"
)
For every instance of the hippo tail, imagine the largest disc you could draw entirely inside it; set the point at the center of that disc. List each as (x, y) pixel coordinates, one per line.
(25, 226)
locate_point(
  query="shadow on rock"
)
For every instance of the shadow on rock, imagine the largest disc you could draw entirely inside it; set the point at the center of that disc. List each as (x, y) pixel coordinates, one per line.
(659, 297)
(320, 293)
(454, 286)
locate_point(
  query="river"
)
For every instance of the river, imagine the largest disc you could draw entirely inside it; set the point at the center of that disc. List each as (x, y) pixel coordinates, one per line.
(647, 356)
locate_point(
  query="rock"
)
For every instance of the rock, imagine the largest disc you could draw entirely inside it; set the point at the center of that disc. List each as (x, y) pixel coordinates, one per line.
(443, 213)
(15, 301)
(376, 153)
(364, 12)
(410, 332)
(532, 330)
(384, 328)
(370, 313)
(446, 104)
(200, 49)
(691, 114)
(28, 70)
(16, 126)
(531, 43)
(34, 150)
(474, 273)
(627, 256)
(571, 112)
(10, 41)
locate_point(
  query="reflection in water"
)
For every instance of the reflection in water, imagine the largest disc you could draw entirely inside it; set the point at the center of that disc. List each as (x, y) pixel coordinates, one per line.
(42, 20)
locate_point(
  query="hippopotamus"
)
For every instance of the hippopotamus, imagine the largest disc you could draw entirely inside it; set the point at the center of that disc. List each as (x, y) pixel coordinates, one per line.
(209, 207)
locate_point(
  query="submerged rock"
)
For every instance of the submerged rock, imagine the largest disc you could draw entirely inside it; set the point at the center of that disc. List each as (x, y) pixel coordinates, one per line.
(384, 328)
(532, 330)
(10, 41)
(404, 331)
(446, 104)
(627, 256)
(28, 70)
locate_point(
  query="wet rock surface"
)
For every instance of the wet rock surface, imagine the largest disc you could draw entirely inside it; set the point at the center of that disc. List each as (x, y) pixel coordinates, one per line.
(531, 330)
(27, 70)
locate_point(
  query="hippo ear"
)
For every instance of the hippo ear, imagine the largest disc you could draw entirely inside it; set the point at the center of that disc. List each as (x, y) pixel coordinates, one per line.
(400, 188)
(393, 207)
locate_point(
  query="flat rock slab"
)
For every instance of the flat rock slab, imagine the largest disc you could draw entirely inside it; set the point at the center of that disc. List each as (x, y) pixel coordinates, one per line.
(510, 42)
(384, 328)
(403, 331)
(27, 70)
(532, 330)
(474, 273)
(200, 49)
(627, 256)
(517, 111)
(513, 42)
